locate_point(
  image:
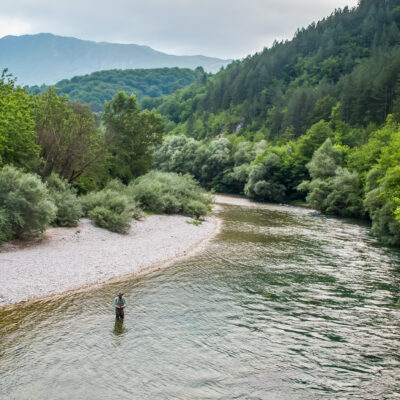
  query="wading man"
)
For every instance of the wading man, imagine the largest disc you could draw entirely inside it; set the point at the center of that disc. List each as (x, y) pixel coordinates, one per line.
(119, 305)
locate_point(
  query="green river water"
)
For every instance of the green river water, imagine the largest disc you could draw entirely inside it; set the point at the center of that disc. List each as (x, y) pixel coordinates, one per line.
(283, 304)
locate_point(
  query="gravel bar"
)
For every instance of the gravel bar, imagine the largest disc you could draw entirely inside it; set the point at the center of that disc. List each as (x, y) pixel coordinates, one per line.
(71, 258)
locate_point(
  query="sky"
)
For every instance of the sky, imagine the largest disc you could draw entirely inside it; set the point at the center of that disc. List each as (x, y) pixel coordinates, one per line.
(219, 28)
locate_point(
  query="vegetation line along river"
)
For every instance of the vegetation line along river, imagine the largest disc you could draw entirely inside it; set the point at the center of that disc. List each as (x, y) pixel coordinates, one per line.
(283, 304)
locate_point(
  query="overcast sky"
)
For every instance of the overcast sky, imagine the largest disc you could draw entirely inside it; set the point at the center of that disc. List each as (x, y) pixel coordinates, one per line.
(220, 28)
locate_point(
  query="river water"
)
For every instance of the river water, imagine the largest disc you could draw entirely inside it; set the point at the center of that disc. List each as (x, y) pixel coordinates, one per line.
(283, 304)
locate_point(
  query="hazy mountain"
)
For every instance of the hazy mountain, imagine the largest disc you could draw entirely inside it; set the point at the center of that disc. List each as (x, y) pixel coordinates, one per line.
(47, 58)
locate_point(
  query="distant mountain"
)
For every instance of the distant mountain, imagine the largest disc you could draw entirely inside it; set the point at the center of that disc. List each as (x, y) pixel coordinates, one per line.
(47, 58)
(101, 86)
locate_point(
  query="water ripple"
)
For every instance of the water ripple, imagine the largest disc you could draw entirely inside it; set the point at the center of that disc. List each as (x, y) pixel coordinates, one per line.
(284, 304)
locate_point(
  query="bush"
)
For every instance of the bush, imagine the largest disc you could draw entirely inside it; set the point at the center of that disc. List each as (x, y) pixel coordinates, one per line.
(69, 209)
(196, 209)
(333, 189)
(111, 220)
(169, 193)
(264, 180)
(5, 227)
(109, 209)
(25, 204)
(382, 204)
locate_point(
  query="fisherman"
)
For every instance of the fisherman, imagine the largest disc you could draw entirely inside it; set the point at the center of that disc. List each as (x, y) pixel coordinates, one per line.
(119, 305)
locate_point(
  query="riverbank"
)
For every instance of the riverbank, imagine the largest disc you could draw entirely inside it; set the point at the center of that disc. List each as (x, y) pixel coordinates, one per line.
(72, 258)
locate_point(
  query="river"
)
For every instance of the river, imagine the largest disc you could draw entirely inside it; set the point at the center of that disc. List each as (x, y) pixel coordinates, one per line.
(283, 304)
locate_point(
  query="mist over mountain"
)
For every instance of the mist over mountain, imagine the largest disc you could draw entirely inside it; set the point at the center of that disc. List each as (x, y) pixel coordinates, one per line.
(47, 58)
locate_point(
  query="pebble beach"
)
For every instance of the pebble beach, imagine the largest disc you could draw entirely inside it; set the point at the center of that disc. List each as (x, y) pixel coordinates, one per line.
(72, 258)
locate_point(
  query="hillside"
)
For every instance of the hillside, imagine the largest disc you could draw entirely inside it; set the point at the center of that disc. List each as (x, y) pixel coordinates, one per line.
(98, 87)
(314, 118)
(352, 56)
(47, 58)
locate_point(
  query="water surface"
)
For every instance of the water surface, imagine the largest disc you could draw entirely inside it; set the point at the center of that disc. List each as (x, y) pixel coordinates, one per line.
(283, 304)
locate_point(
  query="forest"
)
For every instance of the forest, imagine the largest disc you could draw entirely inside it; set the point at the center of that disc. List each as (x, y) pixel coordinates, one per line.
(315, 119)
(98, 87)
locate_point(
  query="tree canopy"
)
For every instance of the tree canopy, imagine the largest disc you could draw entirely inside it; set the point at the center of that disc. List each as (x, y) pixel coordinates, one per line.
(131, 137)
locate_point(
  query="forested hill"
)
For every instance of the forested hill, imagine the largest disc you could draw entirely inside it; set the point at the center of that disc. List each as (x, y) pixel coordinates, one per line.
(352, 56)
(98, 87)
(46, 58)
(316, 117)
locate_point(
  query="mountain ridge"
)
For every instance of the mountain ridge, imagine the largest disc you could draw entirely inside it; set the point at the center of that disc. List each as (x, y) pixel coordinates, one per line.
(46, 58)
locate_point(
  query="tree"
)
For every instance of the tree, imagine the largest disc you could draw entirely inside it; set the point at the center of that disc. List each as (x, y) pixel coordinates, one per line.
(17, 125)
(132, 136)
(67, 135)
(325, 161)
(263, 183)
(333, 189)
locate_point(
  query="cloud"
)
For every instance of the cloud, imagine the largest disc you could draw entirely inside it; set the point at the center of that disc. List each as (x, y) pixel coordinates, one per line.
(13, 26)
(222, 28)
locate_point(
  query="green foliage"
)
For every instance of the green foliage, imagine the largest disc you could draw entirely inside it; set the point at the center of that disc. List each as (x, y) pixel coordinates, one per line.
(312, 140)
(338, 79)
(109, 209)
(6, 232)
(110, 219)
(170, 193)
(263, 183)
(383, 180)
(351, 57)
(382, 203)
(325, 161)
(194, 222)
(70, 143)
(26, 208)
(99, 87)
(17, 126)
(69, 209)
(333, 189)
(132, 135)
(344, 198)
(322, 109)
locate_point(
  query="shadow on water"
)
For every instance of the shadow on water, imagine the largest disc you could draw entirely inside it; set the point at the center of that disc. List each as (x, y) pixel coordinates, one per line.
(283, 304)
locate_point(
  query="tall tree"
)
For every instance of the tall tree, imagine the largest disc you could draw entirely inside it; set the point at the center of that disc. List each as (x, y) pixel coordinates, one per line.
(67, 134)
(132, 136)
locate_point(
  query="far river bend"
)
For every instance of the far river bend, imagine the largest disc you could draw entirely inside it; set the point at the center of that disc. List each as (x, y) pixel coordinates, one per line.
(283, 304)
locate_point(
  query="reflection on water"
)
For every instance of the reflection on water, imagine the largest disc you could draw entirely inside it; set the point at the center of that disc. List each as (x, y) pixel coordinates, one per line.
(283, 304)
(119, 327)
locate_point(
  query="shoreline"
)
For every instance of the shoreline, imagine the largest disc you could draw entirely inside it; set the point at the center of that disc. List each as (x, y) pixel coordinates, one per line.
(70, 259)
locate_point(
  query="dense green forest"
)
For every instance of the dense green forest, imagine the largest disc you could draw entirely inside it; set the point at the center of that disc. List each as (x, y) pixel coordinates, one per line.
(97, 88)
(314, 118)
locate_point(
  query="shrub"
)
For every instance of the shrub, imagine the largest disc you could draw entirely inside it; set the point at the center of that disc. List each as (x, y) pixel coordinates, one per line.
(382, 203)
(333, 189)
(264, 181)
(69, 209)
(109, 209)
(24, 199)
(116, 185)
(169, 193)
(195, 208)
(111, 220)
(5, 227)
